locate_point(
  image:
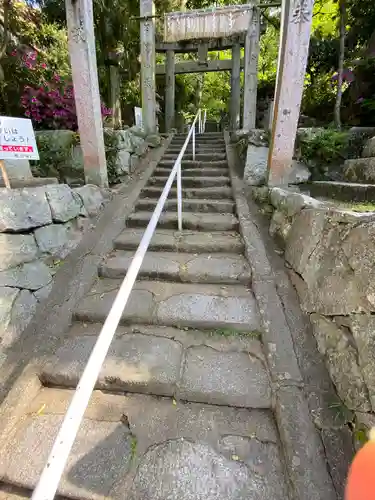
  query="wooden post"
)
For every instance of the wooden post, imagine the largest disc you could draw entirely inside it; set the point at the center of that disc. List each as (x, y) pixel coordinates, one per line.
(293, 53)
(235, 96)
(147, 11)
(169, 91)
(4, 174)
(251, 70)
(79, 14)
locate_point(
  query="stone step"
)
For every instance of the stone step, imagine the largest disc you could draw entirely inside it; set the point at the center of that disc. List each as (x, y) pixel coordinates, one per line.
(204, 135)
(144, 445)
(181, 267)
(155, 360)
(187, 164)
(198, 157)
(196, 205)
(193, 172)
(175, 304)
(193, 181)
(195, 221)
(212, 193)
(198, 149)
(202, 142)
(187, 241)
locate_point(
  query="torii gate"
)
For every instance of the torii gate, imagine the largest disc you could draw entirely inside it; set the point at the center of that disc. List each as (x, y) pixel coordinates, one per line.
(215, 29)
(295, 36)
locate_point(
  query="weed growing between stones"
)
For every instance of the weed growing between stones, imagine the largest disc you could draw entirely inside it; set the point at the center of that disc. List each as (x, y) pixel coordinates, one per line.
(229, 332)
(133, 447)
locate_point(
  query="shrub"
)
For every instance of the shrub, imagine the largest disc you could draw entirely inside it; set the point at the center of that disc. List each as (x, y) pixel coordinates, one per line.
(49, 101)
(325, 148)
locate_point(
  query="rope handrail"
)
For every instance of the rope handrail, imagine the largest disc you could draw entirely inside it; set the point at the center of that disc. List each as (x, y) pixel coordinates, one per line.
(54, 468)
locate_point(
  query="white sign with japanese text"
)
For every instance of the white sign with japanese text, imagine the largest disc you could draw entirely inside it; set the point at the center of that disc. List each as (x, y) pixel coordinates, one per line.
(17, 139)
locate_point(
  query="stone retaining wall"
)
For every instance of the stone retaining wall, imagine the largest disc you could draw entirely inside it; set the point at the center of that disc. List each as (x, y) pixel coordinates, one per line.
(61, 155)
(38, 228)
(330, 253)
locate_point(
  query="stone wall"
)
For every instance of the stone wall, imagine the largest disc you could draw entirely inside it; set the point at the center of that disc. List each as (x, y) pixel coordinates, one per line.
(38, 228)
(61, 155)
(330, 253)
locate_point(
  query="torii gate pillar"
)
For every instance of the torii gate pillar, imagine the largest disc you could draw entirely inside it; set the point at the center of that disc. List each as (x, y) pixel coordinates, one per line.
(147, 12)
(296, 20)
(81, 38)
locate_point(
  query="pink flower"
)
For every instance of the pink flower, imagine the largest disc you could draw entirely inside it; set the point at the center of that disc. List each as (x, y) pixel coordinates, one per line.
(44, 65)
(13, 53)
(57, 77)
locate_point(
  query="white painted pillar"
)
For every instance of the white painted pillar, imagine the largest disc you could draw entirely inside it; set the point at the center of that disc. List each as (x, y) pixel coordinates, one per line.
(147, 11)
(169, 91)
(235, 96)
(293, 53)
(251, 70)
(81, 38)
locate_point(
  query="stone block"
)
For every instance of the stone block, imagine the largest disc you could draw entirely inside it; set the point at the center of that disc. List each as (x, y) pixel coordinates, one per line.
(256, 165)
(303, 449)
(32, 276)
(135, 363)
(291, 203)
(210, 311)
(341, 360)
(92, 198)
(363, 329)
(299, 173)
(43, 293)
(359, 249)
(54, 240)
(369, 149)
(280, 226)
(332, 252)
(153, 140)
(134, 162)
(123, 162)
(165, 471)
(23, 209)
(100, 455)
(338, 445)
(17, 169)
(304, 236)
(17, 307)
(65, 204)
(231, 379)
(16, 249)
(360, 170)
(141, 149)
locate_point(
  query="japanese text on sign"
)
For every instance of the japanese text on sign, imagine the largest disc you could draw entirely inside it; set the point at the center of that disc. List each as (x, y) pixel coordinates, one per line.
(17, 139)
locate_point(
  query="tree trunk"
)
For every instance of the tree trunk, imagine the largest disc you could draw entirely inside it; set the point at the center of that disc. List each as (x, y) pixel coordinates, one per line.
(342, 22)
(114, 78)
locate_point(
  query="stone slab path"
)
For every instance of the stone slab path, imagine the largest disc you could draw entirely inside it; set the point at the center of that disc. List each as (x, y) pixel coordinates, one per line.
(200, 395)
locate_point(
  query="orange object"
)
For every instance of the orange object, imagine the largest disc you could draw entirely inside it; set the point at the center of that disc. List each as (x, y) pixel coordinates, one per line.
(361, 477)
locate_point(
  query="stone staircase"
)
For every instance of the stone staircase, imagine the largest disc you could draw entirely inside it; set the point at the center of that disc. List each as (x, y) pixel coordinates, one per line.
(182, 407)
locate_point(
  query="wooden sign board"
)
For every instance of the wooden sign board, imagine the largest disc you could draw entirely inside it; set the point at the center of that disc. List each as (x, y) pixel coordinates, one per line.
(17, 142)
(207, 23)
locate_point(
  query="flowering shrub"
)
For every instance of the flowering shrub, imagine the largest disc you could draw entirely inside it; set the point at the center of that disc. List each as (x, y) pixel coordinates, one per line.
(49, 99)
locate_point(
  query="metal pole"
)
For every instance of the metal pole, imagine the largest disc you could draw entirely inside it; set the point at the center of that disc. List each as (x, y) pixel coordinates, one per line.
(194, 142)
(179, 197)
(199, 123)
